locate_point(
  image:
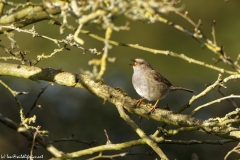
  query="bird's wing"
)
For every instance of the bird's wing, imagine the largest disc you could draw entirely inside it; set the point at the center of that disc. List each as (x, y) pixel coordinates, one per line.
(160, 78)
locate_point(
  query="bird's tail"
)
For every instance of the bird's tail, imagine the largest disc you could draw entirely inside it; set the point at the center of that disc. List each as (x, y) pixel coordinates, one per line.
(174, 88)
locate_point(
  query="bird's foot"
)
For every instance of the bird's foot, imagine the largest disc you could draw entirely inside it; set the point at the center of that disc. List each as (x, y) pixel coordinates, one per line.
(152, 110)
(139, 102)
(154, 107)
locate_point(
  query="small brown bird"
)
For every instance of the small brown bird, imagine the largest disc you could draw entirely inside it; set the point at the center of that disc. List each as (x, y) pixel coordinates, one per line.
(150, 84)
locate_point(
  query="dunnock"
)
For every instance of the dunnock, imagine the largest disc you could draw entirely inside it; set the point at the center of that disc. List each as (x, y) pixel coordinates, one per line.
(150, 84)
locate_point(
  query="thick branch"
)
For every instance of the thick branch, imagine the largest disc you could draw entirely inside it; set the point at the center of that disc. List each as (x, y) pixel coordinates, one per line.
(105, 92)
(115, 96)
(28, 16)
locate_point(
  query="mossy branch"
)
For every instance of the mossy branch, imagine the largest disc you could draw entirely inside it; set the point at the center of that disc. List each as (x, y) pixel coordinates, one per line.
(107, 93)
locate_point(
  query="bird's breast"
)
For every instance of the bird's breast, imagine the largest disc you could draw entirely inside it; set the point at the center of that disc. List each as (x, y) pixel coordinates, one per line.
(149, 88)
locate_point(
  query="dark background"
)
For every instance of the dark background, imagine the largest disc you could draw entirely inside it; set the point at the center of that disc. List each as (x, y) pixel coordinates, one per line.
(66, 111)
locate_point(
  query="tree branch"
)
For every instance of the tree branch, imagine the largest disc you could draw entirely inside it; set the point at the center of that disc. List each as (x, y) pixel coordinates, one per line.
(115, 96)
(29, 135)
(140, 132)
(105, 92)
(23, 17)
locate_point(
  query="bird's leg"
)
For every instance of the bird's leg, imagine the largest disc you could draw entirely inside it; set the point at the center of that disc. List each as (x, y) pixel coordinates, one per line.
(154, 107)
(139, 102)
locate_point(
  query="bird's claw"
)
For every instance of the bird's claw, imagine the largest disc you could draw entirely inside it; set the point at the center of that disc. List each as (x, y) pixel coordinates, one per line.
(152, 110)
(138, 102)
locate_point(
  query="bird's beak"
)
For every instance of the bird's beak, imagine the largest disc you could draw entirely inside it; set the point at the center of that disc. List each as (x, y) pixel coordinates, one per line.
(133, 63)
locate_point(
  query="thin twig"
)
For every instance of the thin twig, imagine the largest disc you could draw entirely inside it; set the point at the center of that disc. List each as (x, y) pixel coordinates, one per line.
(74, 140)
(203, 93)
(108, 140)
(212, 102)
(101, 156)
(33, 141)
(235, 149)
(38, 96)
(213, 33)
(229, 100)
(15, 93)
